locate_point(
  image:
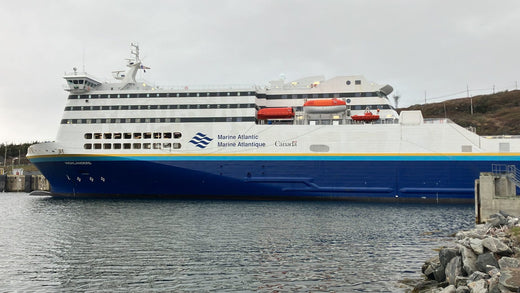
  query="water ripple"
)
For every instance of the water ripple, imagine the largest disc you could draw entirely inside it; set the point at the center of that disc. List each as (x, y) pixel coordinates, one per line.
(116, 245)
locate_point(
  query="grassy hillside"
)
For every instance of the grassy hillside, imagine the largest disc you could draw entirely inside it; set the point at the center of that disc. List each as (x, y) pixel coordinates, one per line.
(495, 114)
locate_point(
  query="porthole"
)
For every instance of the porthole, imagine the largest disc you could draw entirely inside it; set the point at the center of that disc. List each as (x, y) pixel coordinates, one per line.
(348, 82)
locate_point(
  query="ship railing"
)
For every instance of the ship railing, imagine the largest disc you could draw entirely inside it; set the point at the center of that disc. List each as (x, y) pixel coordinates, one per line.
(212, 87)
(509, 170)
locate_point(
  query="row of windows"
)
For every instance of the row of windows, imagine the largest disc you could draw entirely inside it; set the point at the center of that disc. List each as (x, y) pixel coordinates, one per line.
(319, 96)
(371, 107)
(135, 146)
(135, 135)
(356, 107)
(225, 94)
(157, 120)
(162, 95)
(80, 81)
(159, 107)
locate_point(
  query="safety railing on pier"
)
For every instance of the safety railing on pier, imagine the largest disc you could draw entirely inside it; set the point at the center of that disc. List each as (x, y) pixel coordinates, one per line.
(509, 170)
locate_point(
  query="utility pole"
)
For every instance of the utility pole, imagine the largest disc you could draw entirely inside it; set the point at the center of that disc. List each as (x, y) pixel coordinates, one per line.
(470, 98)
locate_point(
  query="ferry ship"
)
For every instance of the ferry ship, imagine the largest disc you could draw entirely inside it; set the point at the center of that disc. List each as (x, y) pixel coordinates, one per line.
(312, 138)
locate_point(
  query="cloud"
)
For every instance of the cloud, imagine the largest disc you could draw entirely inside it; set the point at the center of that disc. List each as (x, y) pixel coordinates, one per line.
(416, 46)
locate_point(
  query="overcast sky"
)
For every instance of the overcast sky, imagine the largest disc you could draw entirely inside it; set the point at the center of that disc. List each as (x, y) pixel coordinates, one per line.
(422, 48)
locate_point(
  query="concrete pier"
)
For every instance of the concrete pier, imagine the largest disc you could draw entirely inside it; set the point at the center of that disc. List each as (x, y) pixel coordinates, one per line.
(23, 183)
(495, 192)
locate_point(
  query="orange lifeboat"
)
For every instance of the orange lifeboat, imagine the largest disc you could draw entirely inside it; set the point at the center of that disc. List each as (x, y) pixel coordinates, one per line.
(275, 113)
(325, 106)
(367, 117)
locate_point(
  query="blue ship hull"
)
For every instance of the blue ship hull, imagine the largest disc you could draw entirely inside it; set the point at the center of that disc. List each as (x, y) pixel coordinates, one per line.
(365, 178)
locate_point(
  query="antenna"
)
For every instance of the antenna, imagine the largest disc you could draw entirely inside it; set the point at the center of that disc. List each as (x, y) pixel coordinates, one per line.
(83, 59)
(396, 100)
(135, 50)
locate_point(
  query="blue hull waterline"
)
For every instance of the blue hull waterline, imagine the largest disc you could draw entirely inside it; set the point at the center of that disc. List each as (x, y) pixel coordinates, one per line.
(433, 179)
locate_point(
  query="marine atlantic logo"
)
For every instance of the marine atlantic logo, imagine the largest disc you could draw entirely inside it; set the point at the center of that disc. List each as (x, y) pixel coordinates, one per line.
(200, 140)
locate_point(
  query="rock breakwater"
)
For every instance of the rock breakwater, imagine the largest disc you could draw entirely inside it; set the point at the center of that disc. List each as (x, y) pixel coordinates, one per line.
(485, 259)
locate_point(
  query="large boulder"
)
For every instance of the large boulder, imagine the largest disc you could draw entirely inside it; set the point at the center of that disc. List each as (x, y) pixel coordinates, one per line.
(510, 279)
(496, 220)
(469, 260)
(486, 262)
(476, 245)
(477, 276)
(449, 289)
(463, 289)
(453, 270)
(493, 286)
(479, 286)
(433, 270)
(508, 262)
(446, 254)
(496, 246)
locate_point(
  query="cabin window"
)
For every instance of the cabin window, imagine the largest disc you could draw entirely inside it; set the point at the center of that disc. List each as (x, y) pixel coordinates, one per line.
(137, 135)
(137, 146)
(97, 135)
(358, 82)
(97, 146)
(127, 146)
(147, 146)
(167, 145)
(117, 135)
(147, 135)
(108, 135)
(176, 145)
(88, 135)
(107, 146)
(177, 135)
(87, 146)
(157, 135)
(167, 135)
(117, 146)
(157, 146)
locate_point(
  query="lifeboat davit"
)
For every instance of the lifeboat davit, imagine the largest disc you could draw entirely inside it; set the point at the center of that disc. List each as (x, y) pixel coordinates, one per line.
(368, 116)
(275, 113)
(325, 106)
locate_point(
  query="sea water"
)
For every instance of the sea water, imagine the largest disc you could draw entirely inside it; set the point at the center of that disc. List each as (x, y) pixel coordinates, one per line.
(49, 244)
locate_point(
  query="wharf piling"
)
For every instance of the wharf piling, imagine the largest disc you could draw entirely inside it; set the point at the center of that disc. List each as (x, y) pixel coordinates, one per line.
(496, 192)
(23, 183)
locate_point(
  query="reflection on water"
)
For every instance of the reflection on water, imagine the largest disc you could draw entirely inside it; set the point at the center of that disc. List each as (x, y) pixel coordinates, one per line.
(130, 245)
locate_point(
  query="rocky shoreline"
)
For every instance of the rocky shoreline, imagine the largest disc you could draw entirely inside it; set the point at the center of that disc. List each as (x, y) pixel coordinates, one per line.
(485, 259)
